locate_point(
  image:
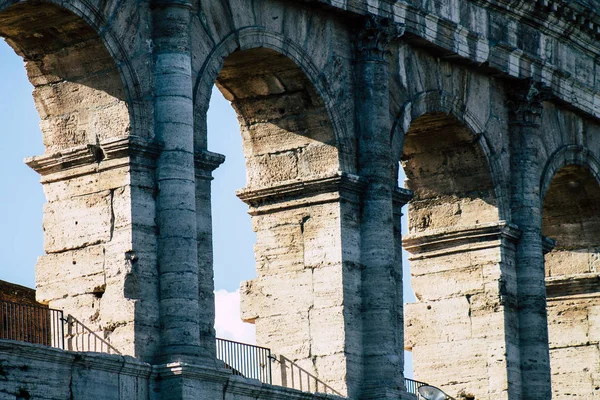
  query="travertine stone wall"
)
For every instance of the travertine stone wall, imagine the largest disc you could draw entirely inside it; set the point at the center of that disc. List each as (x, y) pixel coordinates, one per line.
(571, 218)
(448, 174)
(464, 322)
(286, 131)
(98, 181)
(79, 97)
(98, 269)
(485, 102)
(305, 302)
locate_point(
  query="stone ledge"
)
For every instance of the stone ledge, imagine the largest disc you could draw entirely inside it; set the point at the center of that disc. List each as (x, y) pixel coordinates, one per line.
(123, 365)
(194, 378)
(82, 160)
(235, 385)
(573, 285)
(401, 196)
(299, 193)
(206, 162)
(437, 242)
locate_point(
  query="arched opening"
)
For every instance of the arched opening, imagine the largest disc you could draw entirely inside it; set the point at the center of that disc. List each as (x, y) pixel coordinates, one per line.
(292, 190)
(285, 127)
(571, 217)
(88, 224)
(449, 175)
(408, 295)
(232, 235)
(456, 242)
(77, 87)
(22, 199)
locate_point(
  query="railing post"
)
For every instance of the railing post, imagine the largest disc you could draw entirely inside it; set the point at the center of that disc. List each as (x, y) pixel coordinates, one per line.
(70, 335)
(269, 360)
(282, 368)
(62, 329)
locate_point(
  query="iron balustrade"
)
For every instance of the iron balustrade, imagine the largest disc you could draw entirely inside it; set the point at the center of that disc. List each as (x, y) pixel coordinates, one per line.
(413, 386)
(48, 327)
(246, 360)
(295, 377)
(81, 338)
(32, 324)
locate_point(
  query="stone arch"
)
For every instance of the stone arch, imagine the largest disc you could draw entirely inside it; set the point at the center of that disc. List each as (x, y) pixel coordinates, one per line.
(457, 243)
(253, 38)
(88, 99)
(293, 140)
(90, 19)
(570, 188)
(564, 156)
(443, 106)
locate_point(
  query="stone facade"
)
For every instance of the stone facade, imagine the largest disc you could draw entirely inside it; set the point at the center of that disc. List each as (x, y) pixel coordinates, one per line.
(491, 107)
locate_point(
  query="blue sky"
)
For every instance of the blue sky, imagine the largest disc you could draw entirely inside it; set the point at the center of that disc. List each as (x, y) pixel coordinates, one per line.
(22, 199)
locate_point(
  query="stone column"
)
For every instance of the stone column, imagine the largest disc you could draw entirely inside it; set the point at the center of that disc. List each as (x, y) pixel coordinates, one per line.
(176, 201)
(206, 163)
(401, 197)
(382, 354)
(525, 109)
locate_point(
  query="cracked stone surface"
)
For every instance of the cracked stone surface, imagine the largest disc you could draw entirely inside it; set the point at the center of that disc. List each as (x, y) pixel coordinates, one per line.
(489, 107)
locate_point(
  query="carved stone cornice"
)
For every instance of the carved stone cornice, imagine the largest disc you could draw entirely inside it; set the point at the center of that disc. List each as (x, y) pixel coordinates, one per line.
(299, 193)
(373, 38)
(525, 102)
(400, 197)
(573, 285)
(112, 153)
(206, 162)
(441, 242)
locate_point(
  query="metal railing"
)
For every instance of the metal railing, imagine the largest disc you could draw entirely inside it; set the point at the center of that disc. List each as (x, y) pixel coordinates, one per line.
(413, 386)
(46, 326)
(81, 338)
(295, 377)
(32, 324)
(246, 360)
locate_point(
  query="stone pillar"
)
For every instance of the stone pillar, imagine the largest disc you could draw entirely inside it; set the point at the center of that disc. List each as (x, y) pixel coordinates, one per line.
(176, 200)
(382, 355)
(305, 302)
(206, 163)
(525, 109)
(99, 240)
(463, 329)
(401, 197)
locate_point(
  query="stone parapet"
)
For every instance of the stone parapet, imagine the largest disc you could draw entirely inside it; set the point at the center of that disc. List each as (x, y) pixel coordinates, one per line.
(33, 371)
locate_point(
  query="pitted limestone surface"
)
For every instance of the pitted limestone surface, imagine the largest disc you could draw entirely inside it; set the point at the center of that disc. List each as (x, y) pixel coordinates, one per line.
(490, 106)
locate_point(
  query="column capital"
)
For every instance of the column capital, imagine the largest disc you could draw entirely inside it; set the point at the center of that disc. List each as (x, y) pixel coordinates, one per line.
(524, 102)
(374, 36)
(206, 162)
